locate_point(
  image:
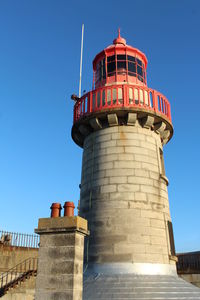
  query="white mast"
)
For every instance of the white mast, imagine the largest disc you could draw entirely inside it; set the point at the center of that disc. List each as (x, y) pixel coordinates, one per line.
(81, 61)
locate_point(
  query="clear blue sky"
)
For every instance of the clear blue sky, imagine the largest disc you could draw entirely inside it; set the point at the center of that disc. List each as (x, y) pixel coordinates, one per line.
(39, 70)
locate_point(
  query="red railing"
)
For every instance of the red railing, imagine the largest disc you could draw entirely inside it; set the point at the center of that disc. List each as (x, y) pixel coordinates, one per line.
(125, 95)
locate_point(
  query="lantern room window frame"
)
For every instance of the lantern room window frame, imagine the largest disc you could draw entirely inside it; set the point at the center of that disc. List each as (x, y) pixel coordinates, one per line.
(118, 66)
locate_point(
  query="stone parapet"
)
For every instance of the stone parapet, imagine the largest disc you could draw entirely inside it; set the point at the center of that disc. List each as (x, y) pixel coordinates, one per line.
(62, 224)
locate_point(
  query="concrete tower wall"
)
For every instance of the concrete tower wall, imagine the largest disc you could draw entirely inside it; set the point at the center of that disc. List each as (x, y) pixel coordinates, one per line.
(124, 198)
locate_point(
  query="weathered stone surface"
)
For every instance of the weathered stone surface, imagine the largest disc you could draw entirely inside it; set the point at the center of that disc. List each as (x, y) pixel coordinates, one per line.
(109, 188)
(10, 256)
(132, 118)
(61, 222)
(123, 194)
(112, 119)
(192, 278)
(60, 266)
(24, 291)
(95, 123)
(84, 130)
(148, 121)
(160, 127)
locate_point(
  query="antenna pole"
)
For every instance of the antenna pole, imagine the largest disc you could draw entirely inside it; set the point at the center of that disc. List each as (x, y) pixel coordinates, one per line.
(81, 61)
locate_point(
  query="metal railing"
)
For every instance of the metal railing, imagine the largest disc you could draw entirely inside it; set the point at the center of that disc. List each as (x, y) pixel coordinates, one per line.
(125, 95)
(17, 274)
(188, 263)
(19, 239)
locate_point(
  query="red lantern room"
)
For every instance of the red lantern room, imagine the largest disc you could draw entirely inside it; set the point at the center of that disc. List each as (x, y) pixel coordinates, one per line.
(119, 63)
(120, 87)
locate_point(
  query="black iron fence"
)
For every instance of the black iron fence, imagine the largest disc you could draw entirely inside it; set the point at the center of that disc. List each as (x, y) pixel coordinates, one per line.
(19, 239)
(188, 263)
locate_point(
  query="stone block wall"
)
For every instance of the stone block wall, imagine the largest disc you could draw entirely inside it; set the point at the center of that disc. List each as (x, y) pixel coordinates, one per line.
(192, 278)
(60, 261)
(124, 196)
(60, 266)
(10, 256)
(25, 291)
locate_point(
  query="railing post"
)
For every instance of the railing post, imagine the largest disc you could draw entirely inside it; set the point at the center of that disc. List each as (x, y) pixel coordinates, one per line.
(155, 101)
(169, 112)
(139, 101)
(90, 101)
(124, 93)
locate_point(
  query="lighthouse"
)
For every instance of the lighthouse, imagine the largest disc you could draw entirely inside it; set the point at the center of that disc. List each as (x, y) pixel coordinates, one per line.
(122, 126)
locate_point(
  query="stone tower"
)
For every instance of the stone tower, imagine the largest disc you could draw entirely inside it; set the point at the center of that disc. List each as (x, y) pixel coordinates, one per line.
(122, 126)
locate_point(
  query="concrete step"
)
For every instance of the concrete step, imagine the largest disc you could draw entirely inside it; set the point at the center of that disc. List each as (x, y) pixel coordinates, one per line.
(122, 287)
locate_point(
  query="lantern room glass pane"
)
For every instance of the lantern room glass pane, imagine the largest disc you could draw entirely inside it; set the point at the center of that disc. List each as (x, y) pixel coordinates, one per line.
(110, 58)
(139, 71)
(139, 62)
(121, 57)
(131, 58)
(100, 71)
(111, 68)
(132, 68)
(121, 66)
